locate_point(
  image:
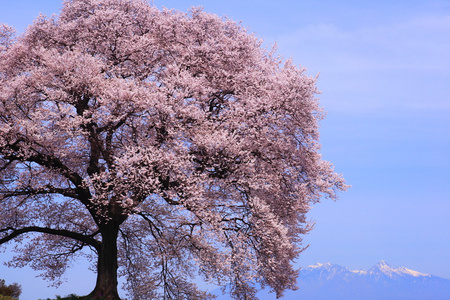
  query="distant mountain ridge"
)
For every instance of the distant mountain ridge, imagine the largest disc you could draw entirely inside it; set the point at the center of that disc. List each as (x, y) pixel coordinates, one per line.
(381, 268)
(381, 282)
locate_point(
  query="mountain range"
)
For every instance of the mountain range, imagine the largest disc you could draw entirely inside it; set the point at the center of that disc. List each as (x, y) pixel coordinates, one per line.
(381, 282)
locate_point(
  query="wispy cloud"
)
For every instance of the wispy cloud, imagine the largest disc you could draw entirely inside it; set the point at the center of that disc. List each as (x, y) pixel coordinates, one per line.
(403, 65)
(418, 43)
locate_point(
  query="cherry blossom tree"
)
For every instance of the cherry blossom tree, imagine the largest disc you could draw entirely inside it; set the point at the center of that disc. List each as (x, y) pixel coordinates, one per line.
(161, 145)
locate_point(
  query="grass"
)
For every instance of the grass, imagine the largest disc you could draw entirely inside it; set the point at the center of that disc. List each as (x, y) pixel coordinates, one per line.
(6, 298)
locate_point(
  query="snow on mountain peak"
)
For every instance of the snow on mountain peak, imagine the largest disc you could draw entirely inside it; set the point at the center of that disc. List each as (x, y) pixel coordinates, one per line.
(381, 267)
(319, 265)
(412, 272)
(382, 264)
(387, 270)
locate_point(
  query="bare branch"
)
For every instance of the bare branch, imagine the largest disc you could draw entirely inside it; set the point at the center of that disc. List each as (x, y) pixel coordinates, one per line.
(86, 239)
(48, 189)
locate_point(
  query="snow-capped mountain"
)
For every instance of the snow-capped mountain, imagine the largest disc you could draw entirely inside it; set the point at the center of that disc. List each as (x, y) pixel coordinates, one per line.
(381, 282)
(381, 271)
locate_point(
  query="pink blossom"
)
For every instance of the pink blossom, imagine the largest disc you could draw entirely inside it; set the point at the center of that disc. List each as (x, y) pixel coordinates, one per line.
(170, 144)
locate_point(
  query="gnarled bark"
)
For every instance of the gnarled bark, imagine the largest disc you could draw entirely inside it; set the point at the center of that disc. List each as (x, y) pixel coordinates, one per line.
(106, 285)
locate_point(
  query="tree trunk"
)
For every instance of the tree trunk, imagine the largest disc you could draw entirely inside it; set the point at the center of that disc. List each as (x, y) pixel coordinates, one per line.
(106, 286)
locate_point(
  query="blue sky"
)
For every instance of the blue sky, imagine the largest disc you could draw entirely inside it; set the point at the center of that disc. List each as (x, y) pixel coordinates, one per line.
(385, 76)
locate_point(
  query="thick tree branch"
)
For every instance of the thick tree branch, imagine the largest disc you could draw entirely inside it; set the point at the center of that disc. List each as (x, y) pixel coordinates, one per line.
(86, 239)
(52, 163)
(48, 189)
(45, 160)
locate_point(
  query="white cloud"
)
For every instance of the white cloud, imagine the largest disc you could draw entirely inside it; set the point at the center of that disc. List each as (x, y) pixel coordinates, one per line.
(397, 66)
(422, 43)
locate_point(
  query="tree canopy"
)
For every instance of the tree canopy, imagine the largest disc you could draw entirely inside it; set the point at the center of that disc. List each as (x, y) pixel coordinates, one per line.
(161, 144)
(12, 290)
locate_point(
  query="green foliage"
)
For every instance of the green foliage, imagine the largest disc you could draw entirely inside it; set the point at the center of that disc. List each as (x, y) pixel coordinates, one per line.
(9, 291)
(68, 297)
